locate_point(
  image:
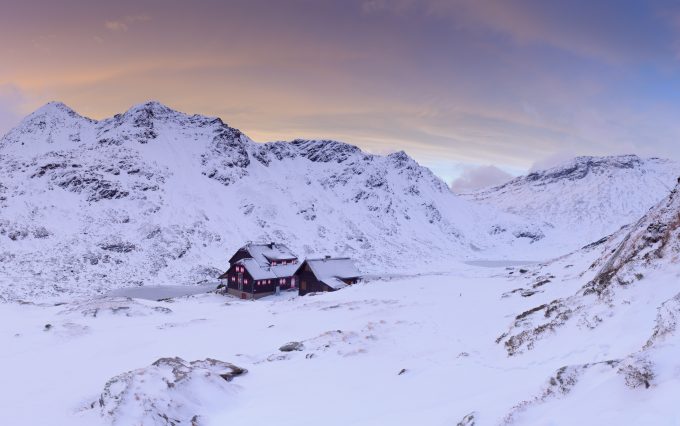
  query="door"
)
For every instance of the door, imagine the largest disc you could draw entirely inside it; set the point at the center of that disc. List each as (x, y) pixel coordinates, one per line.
(239, 280)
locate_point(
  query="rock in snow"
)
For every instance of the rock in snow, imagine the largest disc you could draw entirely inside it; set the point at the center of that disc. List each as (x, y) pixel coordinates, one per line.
(170, 392)
(292, 346)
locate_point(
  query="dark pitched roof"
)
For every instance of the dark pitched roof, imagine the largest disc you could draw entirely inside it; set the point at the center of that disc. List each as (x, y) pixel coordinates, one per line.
(265, 253)
(332, 270)
(259, 272)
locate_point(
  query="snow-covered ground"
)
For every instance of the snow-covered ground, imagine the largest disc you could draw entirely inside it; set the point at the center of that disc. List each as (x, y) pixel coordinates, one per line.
(485, 310)
(418, 350)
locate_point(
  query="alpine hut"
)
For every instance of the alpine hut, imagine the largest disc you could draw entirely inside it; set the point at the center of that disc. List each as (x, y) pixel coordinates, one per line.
(258, 270)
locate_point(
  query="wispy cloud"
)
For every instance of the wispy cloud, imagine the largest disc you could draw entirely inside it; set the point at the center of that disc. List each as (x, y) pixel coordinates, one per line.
(478, 178)
(124, 23)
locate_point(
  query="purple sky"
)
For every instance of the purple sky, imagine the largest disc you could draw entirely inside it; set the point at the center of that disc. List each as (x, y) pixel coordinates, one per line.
(458, 84)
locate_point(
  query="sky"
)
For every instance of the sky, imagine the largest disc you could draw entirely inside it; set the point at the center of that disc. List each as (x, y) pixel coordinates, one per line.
(477, 90)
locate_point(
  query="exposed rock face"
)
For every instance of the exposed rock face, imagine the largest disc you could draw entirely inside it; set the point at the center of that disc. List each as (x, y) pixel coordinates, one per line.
(654, 238)
(170, 392)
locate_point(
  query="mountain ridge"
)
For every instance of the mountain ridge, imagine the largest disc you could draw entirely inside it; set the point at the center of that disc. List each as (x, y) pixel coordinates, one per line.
(155, 196)
(587, 197)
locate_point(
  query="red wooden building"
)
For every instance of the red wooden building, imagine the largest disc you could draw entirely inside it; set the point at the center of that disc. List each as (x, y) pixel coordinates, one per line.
(258, 270)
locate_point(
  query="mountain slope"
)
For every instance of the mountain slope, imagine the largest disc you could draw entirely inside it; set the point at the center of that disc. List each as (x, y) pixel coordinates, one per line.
(154, 196)
(617, 303)
(587, 198)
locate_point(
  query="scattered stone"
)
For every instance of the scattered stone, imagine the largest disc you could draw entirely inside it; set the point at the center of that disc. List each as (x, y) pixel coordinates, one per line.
(292, 346)
(468, 420)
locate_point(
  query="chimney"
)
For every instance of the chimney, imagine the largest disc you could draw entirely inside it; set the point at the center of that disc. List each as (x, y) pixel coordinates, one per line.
(326, 257)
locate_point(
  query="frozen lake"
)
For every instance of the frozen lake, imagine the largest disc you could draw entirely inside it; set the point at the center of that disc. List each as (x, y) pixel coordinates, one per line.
(162, 291)
(500, 263)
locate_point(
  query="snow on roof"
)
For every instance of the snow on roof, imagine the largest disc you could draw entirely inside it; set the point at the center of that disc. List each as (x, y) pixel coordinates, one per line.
(264, 253)
(255, 270)
(259, 272)
(334, 283)
(282, 271)
(333, 267)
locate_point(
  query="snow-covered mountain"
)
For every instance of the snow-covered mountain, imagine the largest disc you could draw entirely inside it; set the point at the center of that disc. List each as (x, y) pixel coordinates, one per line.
(588, 197)
(617, 304)
(155, 196)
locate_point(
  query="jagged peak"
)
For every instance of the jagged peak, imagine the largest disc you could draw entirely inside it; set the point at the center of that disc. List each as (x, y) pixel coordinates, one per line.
(612, 160)
(581, 166)
(148, 112)
(49, 118)
(55, 108)
(325, 150)
(401, 157)
(325, 143)
(152, 108)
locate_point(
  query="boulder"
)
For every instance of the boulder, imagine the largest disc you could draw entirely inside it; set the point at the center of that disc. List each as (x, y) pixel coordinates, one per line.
(169, 392)
(292, 346)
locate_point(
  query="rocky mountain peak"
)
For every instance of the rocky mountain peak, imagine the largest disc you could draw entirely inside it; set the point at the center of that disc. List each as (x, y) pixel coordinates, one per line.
(54, 107)
(53, 122)
(587, 197)
(152, 109)
(580, 167)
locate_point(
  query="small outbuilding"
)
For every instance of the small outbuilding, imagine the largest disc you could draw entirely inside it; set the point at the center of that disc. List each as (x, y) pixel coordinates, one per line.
(326, 274)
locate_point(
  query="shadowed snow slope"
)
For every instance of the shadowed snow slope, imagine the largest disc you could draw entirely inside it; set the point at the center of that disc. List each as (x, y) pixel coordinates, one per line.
(155, 196)
(587, 198)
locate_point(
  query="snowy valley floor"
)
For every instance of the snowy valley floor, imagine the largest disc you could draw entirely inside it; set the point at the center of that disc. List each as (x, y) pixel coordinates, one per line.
(441, 329)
